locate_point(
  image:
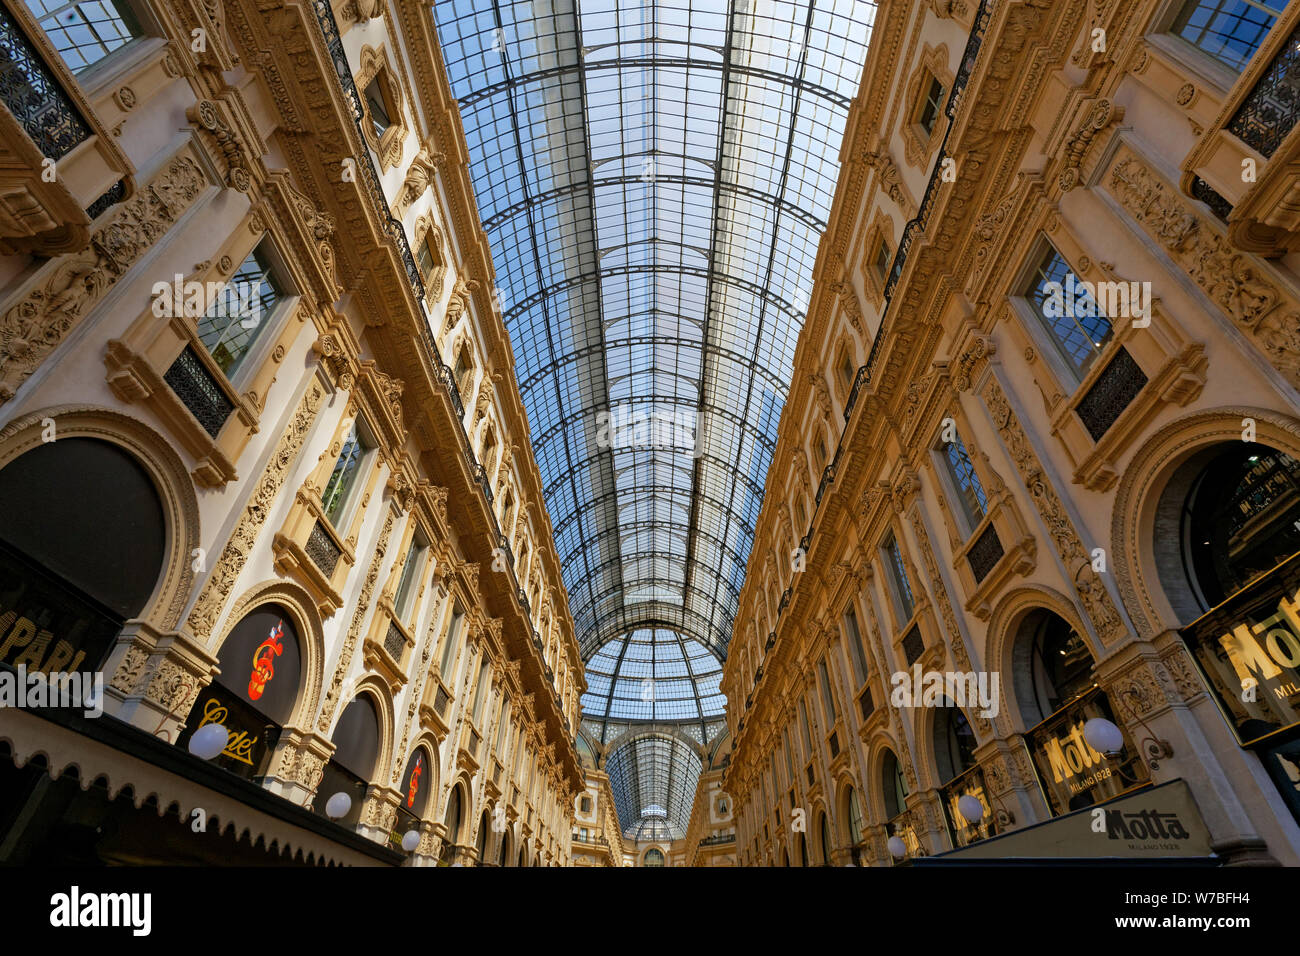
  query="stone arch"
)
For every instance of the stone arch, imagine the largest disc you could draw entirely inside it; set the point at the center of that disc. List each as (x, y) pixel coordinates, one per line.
(166, 470)
(382, 698)
(844, 783)
(927, 756)
(1004, 649)
(307, 622)
(880, 745)
(1138, 503)
(429, 742)
(813, 833)
(466, 786)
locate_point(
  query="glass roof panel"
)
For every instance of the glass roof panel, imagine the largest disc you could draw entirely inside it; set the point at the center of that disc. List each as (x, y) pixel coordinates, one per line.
(654, 178)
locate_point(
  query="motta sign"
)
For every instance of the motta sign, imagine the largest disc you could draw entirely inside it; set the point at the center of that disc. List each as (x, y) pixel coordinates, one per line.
(1248, 649)
(1151, 823)
(1072, 773)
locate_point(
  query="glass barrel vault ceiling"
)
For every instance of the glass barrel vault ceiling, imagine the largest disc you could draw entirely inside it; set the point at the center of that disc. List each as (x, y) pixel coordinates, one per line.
(654, 178)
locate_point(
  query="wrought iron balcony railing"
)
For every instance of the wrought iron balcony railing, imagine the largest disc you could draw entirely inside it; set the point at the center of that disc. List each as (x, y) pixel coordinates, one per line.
(35, 96)
(394, 231)
(1271, 109)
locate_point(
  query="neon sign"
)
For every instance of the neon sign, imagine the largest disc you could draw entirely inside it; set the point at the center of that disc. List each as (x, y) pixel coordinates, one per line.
(263, 661)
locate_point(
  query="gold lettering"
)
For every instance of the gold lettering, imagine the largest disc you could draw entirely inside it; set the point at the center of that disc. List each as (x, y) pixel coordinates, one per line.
(21, 635)
(34, 652)
(240, 745)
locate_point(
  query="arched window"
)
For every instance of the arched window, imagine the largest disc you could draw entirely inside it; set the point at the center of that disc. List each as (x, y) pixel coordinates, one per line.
(826, 840)
(954, 743)
(894, 784)
(1059, 665)
(356, 749)
(854, 807)
(451, 826)
(1241, 518)
(255, 693)
(481, 845)
(68, 507)
(653, 857)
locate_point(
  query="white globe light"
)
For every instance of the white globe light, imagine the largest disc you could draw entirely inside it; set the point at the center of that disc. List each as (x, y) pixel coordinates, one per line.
(458, 863)
(1103, 736)
(410, 840)
(897, 848)
(970, 808)
(338, 806)
(208, 741)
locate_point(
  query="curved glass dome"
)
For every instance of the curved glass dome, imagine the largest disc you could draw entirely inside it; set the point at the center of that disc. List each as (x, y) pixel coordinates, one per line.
(653, 675)
(653, 777)
(654, 178)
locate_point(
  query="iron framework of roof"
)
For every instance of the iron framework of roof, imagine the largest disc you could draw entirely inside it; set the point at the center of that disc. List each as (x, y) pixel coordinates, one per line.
(654, 179)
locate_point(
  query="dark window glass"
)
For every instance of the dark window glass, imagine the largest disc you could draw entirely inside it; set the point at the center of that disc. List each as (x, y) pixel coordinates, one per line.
(954, 743)
(1241, 519)
(1078, 328)
(970, 493)
(377, 108)
(1060, 663)
(339, 487)
(356, 738)
(898, 577)
(1229, 30)
(86, 511)
(241, 311)
(932, 105)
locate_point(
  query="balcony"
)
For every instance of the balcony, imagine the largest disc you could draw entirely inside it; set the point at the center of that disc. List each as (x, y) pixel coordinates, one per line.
(1256, 128)
(56, 160)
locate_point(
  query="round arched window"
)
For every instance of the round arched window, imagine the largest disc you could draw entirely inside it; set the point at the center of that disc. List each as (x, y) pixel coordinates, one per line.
(1059, 666)
(653, 857)
(826, 840)
(82, 543)
(954, 743)
(895, 786)
(1241, 518)
(855, 817)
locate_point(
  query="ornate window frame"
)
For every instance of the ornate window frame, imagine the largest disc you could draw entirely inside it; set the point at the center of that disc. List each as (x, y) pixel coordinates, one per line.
(880, 231)
(140, 360)
(1174, 367)
(374, 65)
(919, 145)
(427, 230)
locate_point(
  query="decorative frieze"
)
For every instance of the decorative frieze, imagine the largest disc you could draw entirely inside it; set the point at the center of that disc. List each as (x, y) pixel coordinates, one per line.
(1232, 280)
(207, 610)
(34, 326)
(1078, 562)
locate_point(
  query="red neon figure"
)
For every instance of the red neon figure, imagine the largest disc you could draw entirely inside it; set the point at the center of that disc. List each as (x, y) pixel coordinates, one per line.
(415, 779)
(263, 658)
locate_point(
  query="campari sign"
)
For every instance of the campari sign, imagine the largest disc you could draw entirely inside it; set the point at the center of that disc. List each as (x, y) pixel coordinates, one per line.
(1248, 649)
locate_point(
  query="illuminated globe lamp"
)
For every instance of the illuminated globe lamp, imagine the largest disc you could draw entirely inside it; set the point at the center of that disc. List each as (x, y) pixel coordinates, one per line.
(897, 848)
(1103, 736)
(410, 840)
(970, 808)
(208, 741)
(338, 806)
